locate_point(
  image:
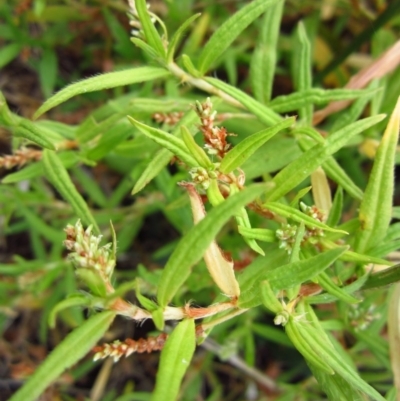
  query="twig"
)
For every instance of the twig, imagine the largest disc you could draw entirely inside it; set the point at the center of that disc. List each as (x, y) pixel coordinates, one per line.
(239, 363)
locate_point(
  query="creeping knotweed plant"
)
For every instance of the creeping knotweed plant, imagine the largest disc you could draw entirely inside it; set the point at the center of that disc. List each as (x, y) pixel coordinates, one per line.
(199, 176)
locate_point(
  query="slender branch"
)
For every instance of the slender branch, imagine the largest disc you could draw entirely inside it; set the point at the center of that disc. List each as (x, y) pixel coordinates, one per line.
(239, 363)
(202, 84)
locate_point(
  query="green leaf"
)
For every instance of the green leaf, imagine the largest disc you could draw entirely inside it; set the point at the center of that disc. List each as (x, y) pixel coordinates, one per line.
(246, 148)
(7, 118)
(326, 298)
(38, 224)
(58, 176)
(195, 150)
(336, 209)
(331, 288)
(73, 348)
(298, 272)
(294, 173)
(26, 129)
(336, 388)
(48, 67)
(293, 330)
(174, 361)
(383, 277)
(376, 207)
(177, 36)
(310, 132)
(193, 245)
(150, 32)
(316, 96)
(153, 168)
(271, 333)
(158, 318)
(298, 216)
(331, 357)
(262, 234)
(93, 281)
(168, 141)
(335, 172)
(9, 53)
(145, 47)
(269, 298)
(301, 67)
(147, 303)
(75, 300)
(242, 219)
(230, 30)
(263, 113)
(189, 66)
(91, 187)
(162, 157)
(263, 61)
(103, 81)
(288, 275)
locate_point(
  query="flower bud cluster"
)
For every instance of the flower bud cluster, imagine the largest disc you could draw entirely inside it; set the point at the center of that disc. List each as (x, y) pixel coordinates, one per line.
(286, 236)
(20, 158)
(168, 118)
(134, 20)
(118, 349)
(201, 177)
(361, 316)
(287, 233)
(214, 137)
(86, 252)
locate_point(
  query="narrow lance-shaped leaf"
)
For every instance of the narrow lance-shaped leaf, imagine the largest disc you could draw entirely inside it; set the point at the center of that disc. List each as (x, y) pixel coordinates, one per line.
(162, 157)
(336, 210)
(335, 172)
(150, 32)
(294, 173)
(376, 207)
(331, 288)
(74, 347)
(263, 113)
(189, 66)
(26, 129)
(242, 219)
(58, 175)
(263, 62)
(77, 300)
(241, 152)
(305, 348)
(177, 36)
(195, 150)
(103, 81)
(230, 30)
(172, 143)
(301, 66)
(383, 277)
(316, 96)
(262, 234)
(334, 360)
(174, 361)
(335, 386)
(150, 51)
(193, 245)
(298, 216)
(289, 275)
